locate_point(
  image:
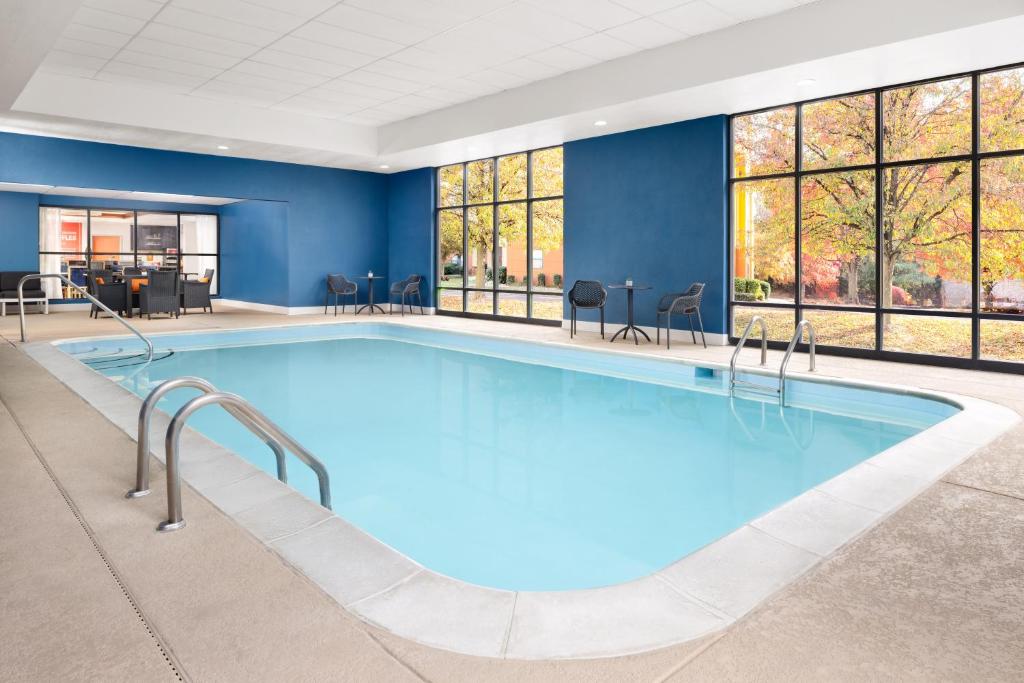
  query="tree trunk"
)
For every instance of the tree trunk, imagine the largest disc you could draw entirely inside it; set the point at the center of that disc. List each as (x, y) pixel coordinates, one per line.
(853, 282)
(885, 287)
(481, 265)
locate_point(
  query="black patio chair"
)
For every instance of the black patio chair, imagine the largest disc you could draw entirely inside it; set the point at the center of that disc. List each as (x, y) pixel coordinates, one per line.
(339, 285)
(586, 294)
(112, 295)
(196, 293)
(406, 289)
(160, 295)
(687, 303)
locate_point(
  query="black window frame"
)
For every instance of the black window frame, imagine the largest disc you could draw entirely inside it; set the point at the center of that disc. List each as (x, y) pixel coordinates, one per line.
(88, 252)
(529, 200)
(975, 157)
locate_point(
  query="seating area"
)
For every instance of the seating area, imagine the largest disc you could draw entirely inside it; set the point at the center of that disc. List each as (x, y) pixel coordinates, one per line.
(135, 291)
(403, 292)
(591, 294)
(31, 292)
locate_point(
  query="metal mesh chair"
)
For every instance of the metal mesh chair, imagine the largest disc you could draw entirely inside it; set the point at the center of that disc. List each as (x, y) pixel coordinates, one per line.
(196, 293)
(586, 294)
(160, 295)
(339, 285)
(111, 294)
(406, 289)
(687, 303)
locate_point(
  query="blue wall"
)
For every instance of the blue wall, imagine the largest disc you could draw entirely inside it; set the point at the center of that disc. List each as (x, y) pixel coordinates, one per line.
(254, 251)
(19, 231)
(650, 204)
(411, 228)
(336, 219)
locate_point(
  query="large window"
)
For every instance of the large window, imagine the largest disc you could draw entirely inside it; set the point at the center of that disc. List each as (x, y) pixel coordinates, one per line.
(892, 219)
(499, 236)
(71, 240)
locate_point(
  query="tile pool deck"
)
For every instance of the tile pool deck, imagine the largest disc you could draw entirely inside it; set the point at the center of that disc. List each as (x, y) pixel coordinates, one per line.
(935, 591)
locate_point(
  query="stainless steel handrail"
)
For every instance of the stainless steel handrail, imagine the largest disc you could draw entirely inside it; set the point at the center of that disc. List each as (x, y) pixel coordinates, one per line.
(171, 443)
(146, 414)
(743, 340)
(797, 336)
(87, 295)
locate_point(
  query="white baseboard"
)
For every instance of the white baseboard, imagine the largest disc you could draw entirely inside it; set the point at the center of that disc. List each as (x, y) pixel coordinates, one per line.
(298, 310)
(67, 306)
(682, 336)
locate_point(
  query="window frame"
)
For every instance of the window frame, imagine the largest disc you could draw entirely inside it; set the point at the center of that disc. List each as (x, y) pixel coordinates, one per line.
(495, 290)
(89, 254)
(878, 166)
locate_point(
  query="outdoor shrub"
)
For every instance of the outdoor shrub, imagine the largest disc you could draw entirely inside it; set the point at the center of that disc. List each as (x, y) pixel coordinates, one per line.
(511, 279)
(502, 274)
(557, 280)
(900, 297)
(749, 289)
(452, 269)
(542, 280)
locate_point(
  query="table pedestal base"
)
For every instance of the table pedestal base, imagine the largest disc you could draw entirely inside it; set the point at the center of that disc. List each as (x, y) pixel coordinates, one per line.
(626, 330)
(373, 306)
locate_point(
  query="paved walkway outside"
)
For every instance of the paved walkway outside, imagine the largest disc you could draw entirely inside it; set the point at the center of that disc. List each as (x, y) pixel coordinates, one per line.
(89, 591)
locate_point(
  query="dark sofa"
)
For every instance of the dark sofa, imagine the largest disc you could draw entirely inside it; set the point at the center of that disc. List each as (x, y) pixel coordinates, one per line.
(9, 289)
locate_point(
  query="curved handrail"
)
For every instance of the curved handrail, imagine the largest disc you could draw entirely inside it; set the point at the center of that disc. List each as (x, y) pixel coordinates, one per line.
(798, 334)
(87, 295)
(171, 443)
(743, 340)
(146, 413)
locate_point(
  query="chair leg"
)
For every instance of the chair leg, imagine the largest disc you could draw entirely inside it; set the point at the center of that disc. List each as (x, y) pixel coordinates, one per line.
(668, 330)
(657, 327)
(403, 304)
(419, 300)
(701, 322)
(602, 322)
(335, 304)
(572, 322)
(326, 296)
(689, 319)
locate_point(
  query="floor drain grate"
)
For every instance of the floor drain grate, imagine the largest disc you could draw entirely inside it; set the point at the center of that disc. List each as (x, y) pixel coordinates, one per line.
(175, 667)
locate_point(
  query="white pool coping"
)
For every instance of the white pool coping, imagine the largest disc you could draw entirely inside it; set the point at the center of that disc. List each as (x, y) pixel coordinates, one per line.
(699, 594)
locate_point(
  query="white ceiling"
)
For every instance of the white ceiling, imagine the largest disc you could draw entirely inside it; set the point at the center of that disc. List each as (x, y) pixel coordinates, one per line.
(368, 62)
(398, 84)
(116, 194)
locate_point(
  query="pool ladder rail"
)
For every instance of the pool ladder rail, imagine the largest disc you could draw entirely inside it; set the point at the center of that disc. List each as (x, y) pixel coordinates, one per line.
(243, 411)
(780, 389)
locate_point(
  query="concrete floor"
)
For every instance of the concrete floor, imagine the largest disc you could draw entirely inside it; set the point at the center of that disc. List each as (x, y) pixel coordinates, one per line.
(88, 591)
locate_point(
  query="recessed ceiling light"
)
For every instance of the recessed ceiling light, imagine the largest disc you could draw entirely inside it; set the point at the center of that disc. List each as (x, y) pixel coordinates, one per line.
(601, 122)
(223, 147)
(803, 82)
(384, 166)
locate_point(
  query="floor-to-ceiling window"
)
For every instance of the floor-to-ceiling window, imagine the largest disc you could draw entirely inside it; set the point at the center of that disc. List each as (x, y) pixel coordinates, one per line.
(499, 236)
(73, 239)
(892, 219)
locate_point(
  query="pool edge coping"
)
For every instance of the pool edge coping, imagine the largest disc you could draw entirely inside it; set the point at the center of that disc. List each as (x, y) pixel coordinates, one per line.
(699, 594)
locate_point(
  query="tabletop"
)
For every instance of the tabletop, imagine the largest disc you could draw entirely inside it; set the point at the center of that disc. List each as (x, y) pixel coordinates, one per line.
(625, 286)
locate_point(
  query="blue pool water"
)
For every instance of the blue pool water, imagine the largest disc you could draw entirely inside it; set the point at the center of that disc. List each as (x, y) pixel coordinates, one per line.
(512, 474)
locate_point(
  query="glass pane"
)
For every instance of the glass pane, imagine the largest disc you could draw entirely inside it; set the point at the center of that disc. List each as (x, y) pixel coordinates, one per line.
(198, 234)
(194, 267)
(1002, 110)
(927, 120)
(764, 250)
(450, 182)
(926, 237)
(929, 334)
(547, 172)
(62, 230)
(842, 328)
(449, 300)
(512, 305)
(72, 266)
(781, 322)
(450, 249)
(839, 132)
(480, 302)
(547, 307)
(1002, 235)
(512, 177)
(157, 239)
(111, 231)
(546, 256)
(838, 238)
(764, 143)
(512, 273)
(480, 222)
(480, 179)
(1002, 340)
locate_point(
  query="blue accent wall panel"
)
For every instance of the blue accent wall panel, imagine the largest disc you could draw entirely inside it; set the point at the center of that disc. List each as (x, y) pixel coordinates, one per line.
(19, 231)
(411, 228)
(650, 204)
(336, 219)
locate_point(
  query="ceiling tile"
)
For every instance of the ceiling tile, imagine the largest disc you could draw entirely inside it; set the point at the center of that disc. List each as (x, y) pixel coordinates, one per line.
(307, 9)
(374, 24)
(157, 75)
(71, 64)
(695, 18)
(284, 88)
(529, 69)
(399, 85)
(97, 18)
(312, 107)
(326, 53)
(646, 33)
(145, 82)
(280, 73)
(601, 46)
(80, 47)
(100, 36)
(239, 11)
(153, 61)
(437, 63)
(139, 9)
(233, 92)
(596, 14)
(345, 86)
(523, 17)
(744, 10)
(217, 28)
(197, 41)
(350, 40)
(334, 97)
(415, 12)
(387, 67)
(288, 60)
(181, 53)
(649, 7)
(501, 79)
(563, 58)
